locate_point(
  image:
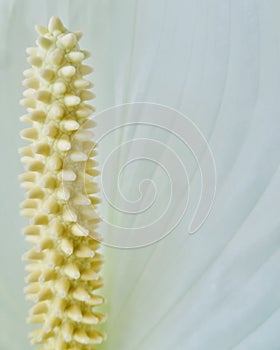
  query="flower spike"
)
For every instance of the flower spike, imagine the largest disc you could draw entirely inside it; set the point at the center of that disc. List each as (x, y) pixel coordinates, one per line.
(64, 262)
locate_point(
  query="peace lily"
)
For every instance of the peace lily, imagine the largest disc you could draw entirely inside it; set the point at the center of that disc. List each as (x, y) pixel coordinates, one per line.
(218, 64)
(64, 262)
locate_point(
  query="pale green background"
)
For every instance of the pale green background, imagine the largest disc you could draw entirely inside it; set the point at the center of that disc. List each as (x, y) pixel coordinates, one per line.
(217, 61)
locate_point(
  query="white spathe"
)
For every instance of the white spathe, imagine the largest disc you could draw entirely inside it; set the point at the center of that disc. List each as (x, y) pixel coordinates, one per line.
(218, 63)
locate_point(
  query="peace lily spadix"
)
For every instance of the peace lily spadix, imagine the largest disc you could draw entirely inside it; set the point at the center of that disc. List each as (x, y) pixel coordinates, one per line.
(64, 260)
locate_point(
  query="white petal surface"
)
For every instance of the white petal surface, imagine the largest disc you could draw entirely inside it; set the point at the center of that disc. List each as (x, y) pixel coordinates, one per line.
(218, 63)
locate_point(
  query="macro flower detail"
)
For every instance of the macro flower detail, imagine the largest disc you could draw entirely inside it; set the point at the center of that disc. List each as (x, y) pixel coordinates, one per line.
(64, 261)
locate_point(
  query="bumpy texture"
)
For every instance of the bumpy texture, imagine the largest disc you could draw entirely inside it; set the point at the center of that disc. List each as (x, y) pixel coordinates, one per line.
(64, 269)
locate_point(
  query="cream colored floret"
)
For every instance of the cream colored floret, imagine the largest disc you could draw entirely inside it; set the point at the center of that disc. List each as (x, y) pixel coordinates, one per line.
(64, 268)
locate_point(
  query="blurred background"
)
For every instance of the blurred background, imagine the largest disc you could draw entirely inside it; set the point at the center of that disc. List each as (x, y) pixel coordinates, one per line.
(217, 62)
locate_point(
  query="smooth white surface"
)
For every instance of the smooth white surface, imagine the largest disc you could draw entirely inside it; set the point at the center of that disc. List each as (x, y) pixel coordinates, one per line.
(217, 61)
